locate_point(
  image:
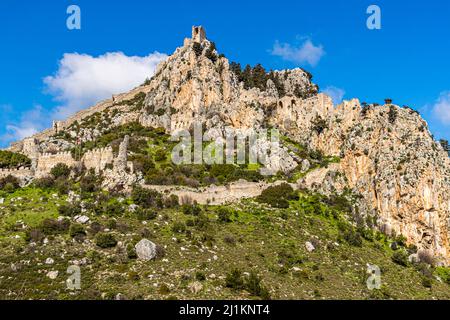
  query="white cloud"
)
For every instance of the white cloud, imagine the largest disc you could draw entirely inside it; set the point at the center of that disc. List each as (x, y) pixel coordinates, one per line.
(335, 93)
(83, 80)
(30, 122)
(441, 108)
(306, 52)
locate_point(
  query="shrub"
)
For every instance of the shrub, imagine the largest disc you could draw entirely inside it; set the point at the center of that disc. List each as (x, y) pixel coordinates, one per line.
(200, 276)
(90, 183)
(160, 252)
(34, 235)
(69, 210)
(172, 201)
(400, 257)
(224, 215)
(319, 125)
(146, 198)
(198, 49)
(210, 52)
(289, 258)
(193, 210)
(426, 282)
(95, 228)
(51, 226)
(160, 154)
(254, 286)
(105, 240)
(278, 196)
(113, 208)
(353, 237)
(229, 240)
(145, 214)
(234, 280)
(9, 184)
(393, 113)
(179, 227)
(62, 185)
(44, 183)
(131, 251)
(77, 230)
(60, 170)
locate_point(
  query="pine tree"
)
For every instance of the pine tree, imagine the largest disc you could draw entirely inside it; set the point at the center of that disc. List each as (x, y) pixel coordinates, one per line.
(259, 77)
(237, 70)
(210, 52)
(247, 77)
(445, 145)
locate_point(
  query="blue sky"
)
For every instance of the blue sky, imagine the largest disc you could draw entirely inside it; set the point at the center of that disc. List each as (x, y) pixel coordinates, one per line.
(48, 71)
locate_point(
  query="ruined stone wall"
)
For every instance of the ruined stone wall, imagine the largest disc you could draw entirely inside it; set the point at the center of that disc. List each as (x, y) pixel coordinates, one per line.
(98, 159)
(47, 161)
(19, 173)
(216, 195)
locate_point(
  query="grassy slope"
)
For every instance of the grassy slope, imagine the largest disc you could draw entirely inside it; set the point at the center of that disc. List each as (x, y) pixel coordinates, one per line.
(261, 234)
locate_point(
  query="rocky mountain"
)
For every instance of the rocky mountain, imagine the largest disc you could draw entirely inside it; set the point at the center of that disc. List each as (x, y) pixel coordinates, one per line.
(385, 154)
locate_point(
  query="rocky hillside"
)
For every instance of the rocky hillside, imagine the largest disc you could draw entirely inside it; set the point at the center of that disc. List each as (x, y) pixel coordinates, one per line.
(369, 181)
(387, 153)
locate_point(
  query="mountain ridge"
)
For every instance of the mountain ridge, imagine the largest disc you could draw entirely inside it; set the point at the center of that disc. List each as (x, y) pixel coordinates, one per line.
(387, 154)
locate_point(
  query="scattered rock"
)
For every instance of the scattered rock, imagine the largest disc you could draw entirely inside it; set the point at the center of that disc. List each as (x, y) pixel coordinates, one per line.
(309, 246)
(49, 261)
(305, 165)
(82, 219)
(195, 287)
(414, 258)
(52, 275)
(145, 250)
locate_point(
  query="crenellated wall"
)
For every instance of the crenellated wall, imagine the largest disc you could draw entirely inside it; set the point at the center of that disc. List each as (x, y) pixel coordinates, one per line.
(20, 173)
(98, 159)
(47, 161)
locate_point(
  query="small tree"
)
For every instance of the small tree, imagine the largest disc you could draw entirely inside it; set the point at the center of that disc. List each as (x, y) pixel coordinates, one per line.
(198, 49)
(105, 240)
(61, 170)
(444, 144)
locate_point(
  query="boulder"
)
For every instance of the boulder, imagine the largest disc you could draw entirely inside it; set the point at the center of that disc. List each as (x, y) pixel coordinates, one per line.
(145, 250)
(52, 275)
(309, 246)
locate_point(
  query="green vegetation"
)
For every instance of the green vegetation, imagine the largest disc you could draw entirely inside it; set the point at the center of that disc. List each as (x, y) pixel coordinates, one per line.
(9, 184)
(257, 77)
(12, 160)
(105, 240)
(278, 196)
(250, 250)
(445, 145)
(61, 170)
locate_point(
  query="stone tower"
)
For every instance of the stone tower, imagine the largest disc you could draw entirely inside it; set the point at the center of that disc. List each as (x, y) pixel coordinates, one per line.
(120, 164)
(31, 150)
(198, 34)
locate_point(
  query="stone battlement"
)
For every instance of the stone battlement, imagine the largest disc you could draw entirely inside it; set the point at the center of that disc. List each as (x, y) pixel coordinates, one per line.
(55, 155)
(98, 151)
(14, 170)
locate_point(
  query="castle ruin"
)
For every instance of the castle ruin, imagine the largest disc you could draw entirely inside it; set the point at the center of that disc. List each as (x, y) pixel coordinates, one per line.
(43, 163)
(198, 34)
